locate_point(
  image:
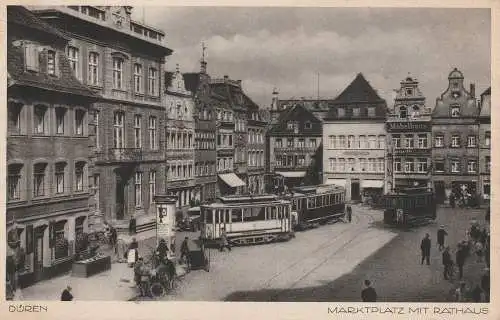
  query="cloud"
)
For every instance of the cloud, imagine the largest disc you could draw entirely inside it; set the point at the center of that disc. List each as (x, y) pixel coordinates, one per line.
(287, 47)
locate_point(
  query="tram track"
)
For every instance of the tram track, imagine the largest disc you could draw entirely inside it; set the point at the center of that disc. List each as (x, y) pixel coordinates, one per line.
(323, 246)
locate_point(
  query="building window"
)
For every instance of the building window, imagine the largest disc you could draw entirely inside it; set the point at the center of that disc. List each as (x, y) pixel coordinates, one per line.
(355, 112)
(97, 188)
(487, 161)
(79, 176)
(308, 125)
(96, 126)
(487, 138)
(403, 112)
(381, 142)
(40, 113)
(409, 165)
(455, 166)
(60, 116)
(350, 164)
(15, 111)
(350, 142)
(372, 141)
(138, 78)
(397, 165)
(73, 56)
(422, 141)
(455, 141)
(51, 62)
(312, 143)
(341, 165)
(471, 166)
(455, 111)
(371, 111)
(279, 143)
(331, 141)
(290, 125)
(439, 141)
(362, 142)
(61, 243)
(153, 142)
(93, 76)
(137, 131)
(422, 165)
(342, 142)
(14, 181)
(31, 57)
(138, 189)
(396, 141)
(79, 119)
(341, 112)
(117, 73)
(39, 179)
(471, 141)
(362, 164)
(409, 141)
(152, 81)
(230, 140)
(289, 142)
(152, 186)
(439, 166)
(59, 175)
(486, 188)
(118, 137)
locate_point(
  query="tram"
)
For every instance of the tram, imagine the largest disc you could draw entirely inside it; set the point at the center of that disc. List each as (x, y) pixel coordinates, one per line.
(247, 220)
(312, 205)
(410, 207)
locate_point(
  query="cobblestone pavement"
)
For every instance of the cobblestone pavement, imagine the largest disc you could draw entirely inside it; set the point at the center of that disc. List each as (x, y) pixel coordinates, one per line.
(313, 257)
(395, 270)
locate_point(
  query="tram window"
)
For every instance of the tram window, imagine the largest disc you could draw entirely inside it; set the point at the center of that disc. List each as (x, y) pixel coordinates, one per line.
(319, 201)
(310, 203)
(218, 213)
(209, 215)
(294, 204)
(273, 212)
(236, 215)
(227, 213)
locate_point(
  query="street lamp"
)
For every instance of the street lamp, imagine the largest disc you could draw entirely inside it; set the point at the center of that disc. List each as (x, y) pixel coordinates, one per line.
(165, 220)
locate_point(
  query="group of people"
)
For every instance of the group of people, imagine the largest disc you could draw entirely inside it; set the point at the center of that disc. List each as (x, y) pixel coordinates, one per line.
(477, 241)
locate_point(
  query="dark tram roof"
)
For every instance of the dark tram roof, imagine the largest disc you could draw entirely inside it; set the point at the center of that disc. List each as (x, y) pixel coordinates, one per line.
(321, 188)
(247, 198)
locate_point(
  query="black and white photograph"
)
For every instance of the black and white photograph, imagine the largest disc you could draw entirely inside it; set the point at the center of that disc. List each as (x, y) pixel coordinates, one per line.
(248, 154)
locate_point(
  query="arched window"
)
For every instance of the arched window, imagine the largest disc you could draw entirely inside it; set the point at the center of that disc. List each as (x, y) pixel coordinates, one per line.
(118, 136)
(14, 181)
(79, 176)
(60, 177)
(403, 113)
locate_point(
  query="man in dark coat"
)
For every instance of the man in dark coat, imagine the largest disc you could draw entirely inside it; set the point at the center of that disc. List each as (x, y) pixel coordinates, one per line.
(349, 213)
(441, 234)
(368, 294)
(185, 251)
(425, 247)
(162, 250)
(132, 226)
(447, 263)
(460, 258)
(66, 294)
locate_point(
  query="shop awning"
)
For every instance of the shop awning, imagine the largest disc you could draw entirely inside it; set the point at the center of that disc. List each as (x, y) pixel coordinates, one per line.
(292, 174)
(338, 182)
(372, 184)
(231, 180)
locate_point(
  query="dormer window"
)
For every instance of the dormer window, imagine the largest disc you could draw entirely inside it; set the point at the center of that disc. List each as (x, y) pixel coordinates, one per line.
(290, 125)
(455, 111)
(403, 112)
(341, 112)
(308, 125)
(415, 111)
(409, 92)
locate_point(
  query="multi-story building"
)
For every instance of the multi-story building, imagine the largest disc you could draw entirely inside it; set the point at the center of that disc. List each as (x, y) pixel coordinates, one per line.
(292, 142)
(409, 131)
(122, 60)
(255, 148)
(354, 141)
(485, 145)
(455, 130)
(179, 140)
(205, 130)
(228, 182)
(48, 147)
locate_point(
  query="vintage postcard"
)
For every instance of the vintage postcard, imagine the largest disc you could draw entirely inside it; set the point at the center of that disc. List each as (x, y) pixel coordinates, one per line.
(166, 158)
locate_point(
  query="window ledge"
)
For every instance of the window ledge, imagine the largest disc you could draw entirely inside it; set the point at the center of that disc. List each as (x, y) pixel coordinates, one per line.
(15, 202)
(139, 94)
(95, 86)
(119, 90)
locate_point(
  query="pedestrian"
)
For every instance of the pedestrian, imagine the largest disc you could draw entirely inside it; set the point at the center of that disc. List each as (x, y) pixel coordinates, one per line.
(137, 272)
(133, 248)
(132, 225)
(461, 292)
(144, 286)
(447, 263)
(349, 213)
(441, 234)
(478, 247)
(66, 294)
(185, 251)
(485, 284)
(368, 294)
(452, 200)
(224, 243)
(460, 259)
(425, 247)
(162, 250)
(113, 239)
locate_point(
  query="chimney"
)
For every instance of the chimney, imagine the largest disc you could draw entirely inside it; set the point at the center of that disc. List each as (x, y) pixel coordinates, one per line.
(239, 83)
(226, 78)
(473, 90)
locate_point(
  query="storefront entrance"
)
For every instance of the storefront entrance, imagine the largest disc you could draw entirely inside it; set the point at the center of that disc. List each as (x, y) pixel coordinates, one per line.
(355, 194)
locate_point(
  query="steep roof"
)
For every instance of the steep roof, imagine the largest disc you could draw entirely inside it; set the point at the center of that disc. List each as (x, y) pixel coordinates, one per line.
(19, 15)
(359, 90)
(192, 81)
(300, 114)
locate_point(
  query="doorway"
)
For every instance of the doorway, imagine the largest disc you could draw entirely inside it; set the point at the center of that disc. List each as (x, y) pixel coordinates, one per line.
(38, 254)
(355, 194)
(440, 191)
(120, 197)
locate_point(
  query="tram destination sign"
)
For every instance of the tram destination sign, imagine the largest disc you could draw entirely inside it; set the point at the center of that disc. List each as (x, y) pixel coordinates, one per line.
(408, 126)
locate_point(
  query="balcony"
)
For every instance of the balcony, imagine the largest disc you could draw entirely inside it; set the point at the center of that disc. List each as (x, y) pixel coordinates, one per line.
(295, 149)
(120, 155)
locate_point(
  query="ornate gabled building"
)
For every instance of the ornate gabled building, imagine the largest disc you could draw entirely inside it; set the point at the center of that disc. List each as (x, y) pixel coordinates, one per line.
(455, 130)
(485, 145)
(409, 130)
(354, 141)
(292, 141)
(179, 140)
(122, 60)
(205, 154)
(48, 149)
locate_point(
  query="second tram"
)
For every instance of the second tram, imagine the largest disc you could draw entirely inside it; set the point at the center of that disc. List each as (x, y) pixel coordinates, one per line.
(410, 207)
(317, 204)
(247, 219)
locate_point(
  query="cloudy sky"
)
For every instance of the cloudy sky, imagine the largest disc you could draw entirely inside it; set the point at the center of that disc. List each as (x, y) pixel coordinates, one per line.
(287, 47)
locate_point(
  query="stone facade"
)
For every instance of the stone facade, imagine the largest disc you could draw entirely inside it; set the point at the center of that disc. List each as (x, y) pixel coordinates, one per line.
(455, 130)
(409, 129)
(122, 61)
(485, 146)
